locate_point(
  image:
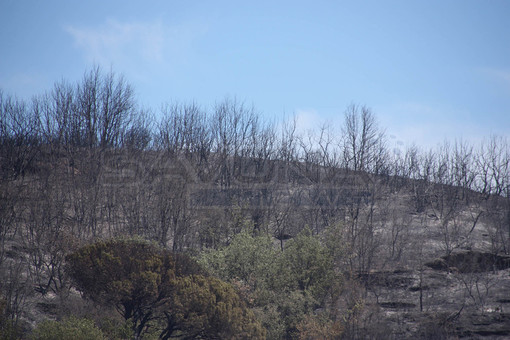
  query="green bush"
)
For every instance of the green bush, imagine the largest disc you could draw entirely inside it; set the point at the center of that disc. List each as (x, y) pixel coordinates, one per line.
(158, 291)
(9, 330)
(282, 287)
(68, 329)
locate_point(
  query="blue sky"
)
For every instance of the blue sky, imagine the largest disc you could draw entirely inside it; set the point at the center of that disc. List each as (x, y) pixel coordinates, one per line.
(429, 70)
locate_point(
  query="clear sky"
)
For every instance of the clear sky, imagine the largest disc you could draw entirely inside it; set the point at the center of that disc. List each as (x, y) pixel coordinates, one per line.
(429, 70)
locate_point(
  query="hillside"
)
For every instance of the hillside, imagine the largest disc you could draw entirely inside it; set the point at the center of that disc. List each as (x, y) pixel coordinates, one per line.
(442, 263)
(328, 234)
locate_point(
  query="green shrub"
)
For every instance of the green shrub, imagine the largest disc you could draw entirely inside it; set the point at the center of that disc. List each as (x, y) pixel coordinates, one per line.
(156, 290)
(282, 287)
(68, 329)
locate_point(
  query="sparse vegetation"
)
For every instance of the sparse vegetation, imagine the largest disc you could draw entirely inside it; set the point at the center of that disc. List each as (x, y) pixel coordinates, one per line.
(104, 205)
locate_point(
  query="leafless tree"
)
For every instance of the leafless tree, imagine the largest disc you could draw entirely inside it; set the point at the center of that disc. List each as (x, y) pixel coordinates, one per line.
(59, 122)
(364, 150)
(362, 139)
(19, 137)
(493, 181)
(140, 133)
(104, 104)
(233, 128)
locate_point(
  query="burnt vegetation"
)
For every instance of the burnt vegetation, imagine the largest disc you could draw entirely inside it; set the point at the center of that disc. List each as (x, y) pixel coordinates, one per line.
(327, 233)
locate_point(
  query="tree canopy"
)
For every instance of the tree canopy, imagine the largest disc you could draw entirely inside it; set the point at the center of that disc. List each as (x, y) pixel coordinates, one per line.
(160, 291)
(284, 287)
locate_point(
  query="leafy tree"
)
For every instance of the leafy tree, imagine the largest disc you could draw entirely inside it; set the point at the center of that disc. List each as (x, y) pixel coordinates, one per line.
(209, 308)
(125, 273)
(155, 288)
(310, 265)
(249, 259)
(283, 287)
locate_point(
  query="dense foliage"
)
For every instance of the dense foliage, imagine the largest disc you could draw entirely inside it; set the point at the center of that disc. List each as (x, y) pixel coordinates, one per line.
(69, 329)
(156, 289)
(283, 287)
